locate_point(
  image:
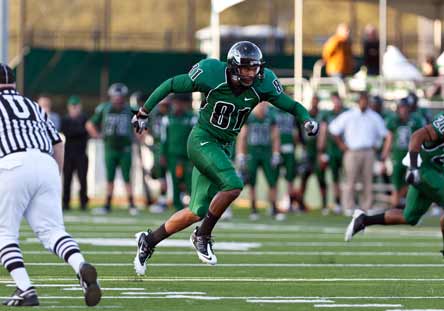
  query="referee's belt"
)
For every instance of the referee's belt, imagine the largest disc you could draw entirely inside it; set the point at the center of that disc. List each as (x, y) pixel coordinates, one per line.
(26, 150)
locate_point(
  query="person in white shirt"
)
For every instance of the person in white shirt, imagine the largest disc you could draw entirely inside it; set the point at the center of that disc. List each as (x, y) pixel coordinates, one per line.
(358, 132)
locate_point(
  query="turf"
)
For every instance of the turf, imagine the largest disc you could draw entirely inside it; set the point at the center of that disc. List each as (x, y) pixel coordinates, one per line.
(301, 263)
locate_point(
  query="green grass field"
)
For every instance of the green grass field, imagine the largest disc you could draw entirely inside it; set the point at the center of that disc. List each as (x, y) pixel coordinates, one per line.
(301, 263)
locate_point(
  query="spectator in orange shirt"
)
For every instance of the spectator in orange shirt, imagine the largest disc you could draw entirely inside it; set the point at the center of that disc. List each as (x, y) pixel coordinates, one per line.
(337, 53)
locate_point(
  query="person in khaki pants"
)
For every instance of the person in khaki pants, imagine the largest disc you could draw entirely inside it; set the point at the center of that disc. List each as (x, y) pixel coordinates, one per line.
(358, 132)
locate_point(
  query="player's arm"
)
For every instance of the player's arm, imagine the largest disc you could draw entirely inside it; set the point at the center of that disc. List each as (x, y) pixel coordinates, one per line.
(425, 134)
(322, 138)
(241, 148)
(92, 130)
(92, 126)
(336, 128)
(177, 84)
(388, 142)
(276, 145)
(59, 154)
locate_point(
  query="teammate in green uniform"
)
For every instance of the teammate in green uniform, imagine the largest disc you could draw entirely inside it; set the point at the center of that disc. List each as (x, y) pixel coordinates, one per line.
(290, 133)
(329, 150)
(400, 128)
(310, 160)
(425, 174)
(420, 112)
(112, 122)
(258, 147)
(230, 91)
(175, 130)
(158, 171)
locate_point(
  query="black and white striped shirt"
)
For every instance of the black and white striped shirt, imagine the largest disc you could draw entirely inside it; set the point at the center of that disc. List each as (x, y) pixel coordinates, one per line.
(24, 125)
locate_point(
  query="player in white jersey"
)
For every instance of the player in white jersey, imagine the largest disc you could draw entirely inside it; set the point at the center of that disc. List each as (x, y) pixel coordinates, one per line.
(31, 160)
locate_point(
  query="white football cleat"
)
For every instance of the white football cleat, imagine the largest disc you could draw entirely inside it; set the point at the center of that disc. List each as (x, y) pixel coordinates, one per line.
(356, 225)
(204, 247)
(144, 252)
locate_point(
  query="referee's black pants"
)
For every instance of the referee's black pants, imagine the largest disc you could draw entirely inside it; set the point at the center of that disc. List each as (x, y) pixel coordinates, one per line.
(78, 164)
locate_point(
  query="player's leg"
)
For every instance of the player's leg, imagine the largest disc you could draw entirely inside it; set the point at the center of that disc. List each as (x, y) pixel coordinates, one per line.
(352, 171)
(14, 197)
(252, 167)
(271, 176)
(158, 172)
(289, 163)
(398, 182)
(203, 191)
(68, 170)
(125, 163)
(335, 164)
(367, 179)
(307, 171)
(417, 205)
(213, 161)
(82, 171)
(176, 170)
(320, 175)
(111, 163)
(45, 218)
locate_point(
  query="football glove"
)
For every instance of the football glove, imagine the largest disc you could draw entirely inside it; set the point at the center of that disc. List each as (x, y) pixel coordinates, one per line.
(241, 161)
(311, 127)
(276, 159)
(412, 177)
(140, 121)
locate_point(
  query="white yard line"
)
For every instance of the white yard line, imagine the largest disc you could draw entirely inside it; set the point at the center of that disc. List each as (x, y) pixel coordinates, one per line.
(363, 305)
(260, 253)
(289, 301)
(258, 265)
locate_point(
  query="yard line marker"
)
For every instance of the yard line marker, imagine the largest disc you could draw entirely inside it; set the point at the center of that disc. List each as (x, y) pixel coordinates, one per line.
(364, 305)
(259, 265)
(234, 279)
(260, 253)
(289, 301)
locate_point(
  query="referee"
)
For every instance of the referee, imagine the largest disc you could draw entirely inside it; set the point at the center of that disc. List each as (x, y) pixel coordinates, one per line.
(31, 160)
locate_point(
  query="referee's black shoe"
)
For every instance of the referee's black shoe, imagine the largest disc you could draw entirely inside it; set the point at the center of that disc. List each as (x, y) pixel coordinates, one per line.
(23, 298)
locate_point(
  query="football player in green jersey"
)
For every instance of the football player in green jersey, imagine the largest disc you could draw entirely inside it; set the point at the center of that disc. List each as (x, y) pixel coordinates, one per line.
(174, 132)
(400, 127)
(329, 150)
(310, 160)
(425, 174)
(421, 112)
(258, 147)
(230, 91)
(112, 121)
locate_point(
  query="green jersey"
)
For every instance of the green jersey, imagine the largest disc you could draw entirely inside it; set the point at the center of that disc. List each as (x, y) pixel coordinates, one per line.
(328, 116)
(259, 132)
(432, 155)
(222, 112)
(115, 125)
(174, 133)
(402, 131)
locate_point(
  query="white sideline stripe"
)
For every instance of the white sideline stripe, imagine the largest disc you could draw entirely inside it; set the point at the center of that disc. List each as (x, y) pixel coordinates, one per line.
(78, 288)
(203, 279)
(164, 293)
(289, 301)
(235, 246)
(364, 305)
(258, 265)
(255, 253)
(356, 244)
